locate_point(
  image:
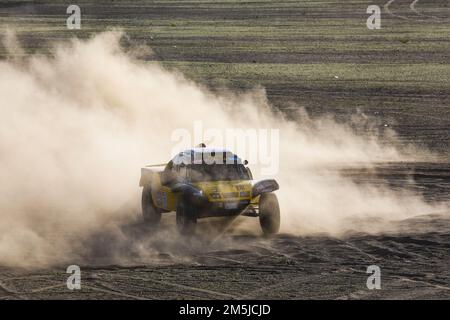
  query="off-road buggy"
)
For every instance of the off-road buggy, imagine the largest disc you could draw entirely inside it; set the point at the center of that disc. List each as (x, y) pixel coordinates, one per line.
(207, 182)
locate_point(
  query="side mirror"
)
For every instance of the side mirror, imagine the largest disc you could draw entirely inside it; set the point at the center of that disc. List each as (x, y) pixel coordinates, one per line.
(245, 162)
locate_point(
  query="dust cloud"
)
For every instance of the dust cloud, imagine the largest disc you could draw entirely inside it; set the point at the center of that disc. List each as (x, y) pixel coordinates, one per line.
(77, 126)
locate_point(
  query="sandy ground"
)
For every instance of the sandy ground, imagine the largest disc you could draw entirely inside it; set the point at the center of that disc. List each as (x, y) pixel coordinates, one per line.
(237, 263)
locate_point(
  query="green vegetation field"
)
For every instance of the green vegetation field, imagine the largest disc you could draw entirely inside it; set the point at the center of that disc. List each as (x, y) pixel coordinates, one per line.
(315, 54)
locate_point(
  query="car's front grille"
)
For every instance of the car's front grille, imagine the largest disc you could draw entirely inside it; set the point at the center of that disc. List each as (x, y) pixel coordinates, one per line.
(230, 195)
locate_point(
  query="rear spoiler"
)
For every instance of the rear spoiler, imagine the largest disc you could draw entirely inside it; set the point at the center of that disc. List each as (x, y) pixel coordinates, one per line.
(149, 172)
(155, 165)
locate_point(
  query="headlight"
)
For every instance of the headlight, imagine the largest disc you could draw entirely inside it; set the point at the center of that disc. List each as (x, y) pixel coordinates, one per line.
(215, 195)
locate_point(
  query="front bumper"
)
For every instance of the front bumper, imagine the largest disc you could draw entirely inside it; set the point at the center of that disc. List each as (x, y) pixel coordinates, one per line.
(223, 208)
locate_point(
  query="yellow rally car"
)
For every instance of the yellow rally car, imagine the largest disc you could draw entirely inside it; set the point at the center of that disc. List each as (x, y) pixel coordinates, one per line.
(207, 182)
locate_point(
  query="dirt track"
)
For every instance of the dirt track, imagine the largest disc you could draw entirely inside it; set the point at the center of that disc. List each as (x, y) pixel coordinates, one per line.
(413, 266)
(240, 264)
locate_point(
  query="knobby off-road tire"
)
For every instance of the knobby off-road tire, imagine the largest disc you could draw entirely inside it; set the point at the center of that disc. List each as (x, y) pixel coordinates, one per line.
(186, 218)
(269, 213)
(151, 214)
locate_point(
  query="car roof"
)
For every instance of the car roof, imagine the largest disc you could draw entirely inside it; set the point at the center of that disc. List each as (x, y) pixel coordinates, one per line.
(181, 157)
(208, 150)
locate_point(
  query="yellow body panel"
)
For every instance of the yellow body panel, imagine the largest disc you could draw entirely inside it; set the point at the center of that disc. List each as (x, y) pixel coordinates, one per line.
(228, 191)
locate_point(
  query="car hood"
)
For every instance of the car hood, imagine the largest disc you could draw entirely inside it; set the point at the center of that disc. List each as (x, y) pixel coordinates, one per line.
(226, 190)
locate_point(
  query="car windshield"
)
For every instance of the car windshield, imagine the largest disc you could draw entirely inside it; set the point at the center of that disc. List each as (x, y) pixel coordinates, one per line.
(216, 172)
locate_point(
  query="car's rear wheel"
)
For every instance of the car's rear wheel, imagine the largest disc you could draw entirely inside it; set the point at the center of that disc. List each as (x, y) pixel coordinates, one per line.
(186, 218)
(150, 212)
(269, 213)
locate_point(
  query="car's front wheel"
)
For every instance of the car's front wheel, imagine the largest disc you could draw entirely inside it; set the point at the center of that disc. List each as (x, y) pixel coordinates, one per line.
(186, 218)
(269, 213)
(150, 212)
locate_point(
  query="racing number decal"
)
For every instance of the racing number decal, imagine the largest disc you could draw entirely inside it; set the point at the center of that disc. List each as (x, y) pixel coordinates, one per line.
(161, 199)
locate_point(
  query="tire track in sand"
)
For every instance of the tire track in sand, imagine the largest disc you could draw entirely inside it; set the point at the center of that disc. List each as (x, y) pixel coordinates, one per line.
(412, 6)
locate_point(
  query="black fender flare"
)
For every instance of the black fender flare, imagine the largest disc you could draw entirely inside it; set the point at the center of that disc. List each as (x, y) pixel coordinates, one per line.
(189, 192)
(264, 186)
